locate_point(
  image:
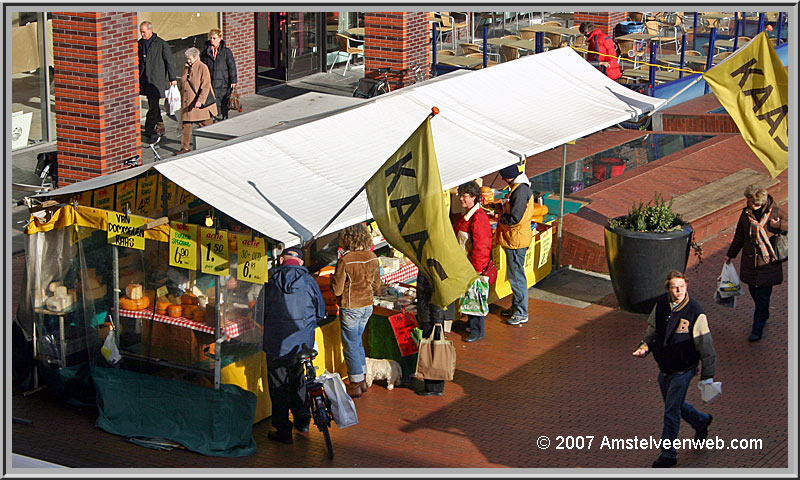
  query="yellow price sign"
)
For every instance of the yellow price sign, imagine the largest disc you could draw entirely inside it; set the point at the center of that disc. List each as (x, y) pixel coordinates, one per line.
(126, 230)
(545, 247)
(252, 265)
(126, 195)
(214, 257)
(146, 195)
(104, 198)
(183, 245)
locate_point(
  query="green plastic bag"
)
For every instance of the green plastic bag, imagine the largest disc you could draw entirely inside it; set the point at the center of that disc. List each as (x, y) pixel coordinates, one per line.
(476, 300)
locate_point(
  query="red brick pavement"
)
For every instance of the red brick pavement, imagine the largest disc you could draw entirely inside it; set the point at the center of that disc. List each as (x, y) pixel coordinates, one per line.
(569, 372)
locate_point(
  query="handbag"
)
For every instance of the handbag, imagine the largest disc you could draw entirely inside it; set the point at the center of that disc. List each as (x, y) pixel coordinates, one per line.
(436, 359)
(780, 243)
(490, 271)
(343, 408)
(475, 300)
(233, 101)
(211, 98)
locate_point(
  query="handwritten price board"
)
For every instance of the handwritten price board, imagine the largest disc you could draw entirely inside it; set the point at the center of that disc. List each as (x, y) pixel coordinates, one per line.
(252, 266)
(214, 257)
(126, 195)
(402, 325)
(146, 190)
(183, 245)
(546, 247)
(104, 198)
(171, 188)
(126, 231)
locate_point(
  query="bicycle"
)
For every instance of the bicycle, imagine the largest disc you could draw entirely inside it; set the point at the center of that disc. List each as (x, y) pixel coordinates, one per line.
(317, 399)
(370, 87)
(154, 148)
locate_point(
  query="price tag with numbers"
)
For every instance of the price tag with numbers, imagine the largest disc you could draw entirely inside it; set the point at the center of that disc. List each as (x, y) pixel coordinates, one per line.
(146, 195)
(214, 252)
(183, 245)
(252, 266)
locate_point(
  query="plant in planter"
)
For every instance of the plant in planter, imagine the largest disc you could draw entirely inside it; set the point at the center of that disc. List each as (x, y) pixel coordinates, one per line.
(641, 247)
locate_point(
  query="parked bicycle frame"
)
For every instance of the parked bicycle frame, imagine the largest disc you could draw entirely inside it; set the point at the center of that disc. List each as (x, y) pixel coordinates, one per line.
(317, 399)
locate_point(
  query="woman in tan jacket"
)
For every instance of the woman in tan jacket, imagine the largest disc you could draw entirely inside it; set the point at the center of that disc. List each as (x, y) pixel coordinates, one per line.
(195, 91)
(356, 279)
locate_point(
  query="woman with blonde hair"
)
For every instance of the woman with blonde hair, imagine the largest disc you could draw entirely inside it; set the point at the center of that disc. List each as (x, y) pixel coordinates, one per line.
(759, 269)
(197, 98)
(355, 280)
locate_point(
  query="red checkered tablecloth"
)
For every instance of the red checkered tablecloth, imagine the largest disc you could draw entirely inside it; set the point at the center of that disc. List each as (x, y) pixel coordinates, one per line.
(232, 329)
(406, 272)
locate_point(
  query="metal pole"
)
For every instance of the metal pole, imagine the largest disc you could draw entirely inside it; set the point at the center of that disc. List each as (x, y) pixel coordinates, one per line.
(485, 46)
(694, 32)
(435, 73)
(735, 30)
(780, 27)
(44, 90)
(652, 76)
(683, 55)
(115, 289)
(561, 202)
(760, 22)
(711, 40)
(217, 343)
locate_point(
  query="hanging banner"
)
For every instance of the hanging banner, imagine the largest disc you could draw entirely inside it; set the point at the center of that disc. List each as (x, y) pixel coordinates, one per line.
(126, 230)
(545, 247)
(126, 195)
(252, 263)
(214, 257)
(752, 85)
(183, 245)
(405, 196)
(104, 198)
(146, 189)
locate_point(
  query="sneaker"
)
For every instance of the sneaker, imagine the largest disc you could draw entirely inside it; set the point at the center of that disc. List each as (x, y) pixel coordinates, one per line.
(507, 312)
(665, 462)
(515, 320)
(282, 438)
(427, 393)
(753, 337)
(473, 337)
(702, 432)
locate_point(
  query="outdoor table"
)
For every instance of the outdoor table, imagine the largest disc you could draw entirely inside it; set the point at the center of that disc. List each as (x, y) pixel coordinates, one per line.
(357, 31)
(567, 32)
(675, 60)
(643, 73)
(637, 36)
(529, 45)
(459, 61)
(728, 43)
(499, 42)
(567, 17)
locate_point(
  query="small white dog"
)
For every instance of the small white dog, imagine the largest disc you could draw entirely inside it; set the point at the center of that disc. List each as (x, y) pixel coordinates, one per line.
(383, 369)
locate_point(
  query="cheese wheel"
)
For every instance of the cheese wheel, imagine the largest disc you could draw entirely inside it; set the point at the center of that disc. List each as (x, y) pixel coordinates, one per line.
(126, 303)
(189, 298)
(174, 310)
(188, 310)
(162, 305)
(200, 315)
(134, 291)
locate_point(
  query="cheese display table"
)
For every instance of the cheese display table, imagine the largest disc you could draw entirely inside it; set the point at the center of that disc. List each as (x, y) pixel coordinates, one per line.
(538, 261)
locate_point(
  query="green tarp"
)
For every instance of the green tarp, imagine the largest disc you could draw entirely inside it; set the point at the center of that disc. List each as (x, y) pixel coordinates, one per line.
(207, 421)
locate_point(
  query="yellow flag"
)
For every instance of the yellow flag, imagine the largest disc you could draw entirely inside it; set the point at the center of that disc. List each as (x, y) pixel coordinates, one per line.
(752, 85)
(405, 196)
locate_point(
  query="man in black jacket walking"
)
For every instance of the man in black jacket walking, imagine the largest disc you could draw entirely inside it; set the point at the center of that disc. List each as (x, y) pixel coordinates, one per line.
(219, 60)
(155, 73)
(678, 336)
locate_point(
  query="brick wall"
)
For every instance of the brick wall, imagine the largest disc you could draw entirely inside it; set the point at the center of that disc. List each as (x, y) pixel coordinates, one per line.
(97, 92)
(605, 21)
(398, 40)
(238, 30)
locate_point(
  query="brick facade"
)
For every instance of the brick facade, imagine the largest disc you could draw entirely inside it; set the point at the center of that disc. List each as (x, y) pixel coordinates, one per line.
(398, 40)
(97, 92)
(238, 30)
(605, 21)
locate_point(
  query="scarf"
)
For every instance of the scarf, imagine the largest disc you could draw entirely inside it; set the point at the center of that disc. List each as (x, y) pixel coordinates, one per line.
(759, 235)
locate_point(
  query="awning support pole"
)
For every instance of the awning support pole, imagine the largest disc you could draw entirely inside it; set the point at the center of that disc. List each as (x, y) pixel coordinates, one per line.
(561, 202)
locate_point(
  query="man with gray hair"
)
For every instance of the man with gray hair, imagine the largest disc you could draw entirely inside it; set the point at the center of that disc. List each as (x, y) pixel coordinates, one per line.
(155, 72)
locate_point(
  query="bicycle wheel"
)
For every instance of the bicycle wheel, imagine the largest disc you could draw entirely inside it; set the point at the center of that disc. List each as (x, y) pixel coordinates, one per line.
(328, 443)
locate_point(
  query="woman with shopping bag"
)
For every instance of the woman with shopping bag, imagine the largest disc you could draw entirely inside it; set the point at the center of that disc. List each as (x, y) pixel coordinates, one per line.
(474, 234)
(431, 320)
(760, 268)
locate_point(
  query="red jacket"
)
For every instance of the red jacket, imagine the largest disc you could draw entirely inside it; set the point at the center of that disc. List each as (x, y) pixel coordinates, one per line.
(599, 41)
(479, 234)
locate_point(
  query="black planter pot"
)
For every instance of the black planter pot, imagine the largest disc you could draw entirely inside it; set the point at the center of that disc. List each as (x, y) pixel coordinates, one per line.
(638, 263)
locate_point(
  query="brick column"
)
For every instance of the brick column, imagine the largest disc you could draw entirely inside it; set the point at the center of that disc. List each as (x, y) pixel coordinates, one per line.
(398, 40)
(96, 80)
(239, 30)
(605, 21)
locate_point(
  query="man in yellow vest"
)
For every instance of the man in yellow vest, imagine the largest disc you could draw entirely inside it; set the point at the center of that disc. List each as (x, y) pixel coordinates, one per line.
(514, 236)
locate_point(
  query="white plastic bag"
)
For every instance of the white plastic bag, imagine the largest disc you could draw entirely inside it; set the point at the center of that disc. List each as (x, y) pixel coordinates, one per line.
(173, 96)
(709, 391)
(343, 408)
(109, 349)
(728, 284)
(725, 302)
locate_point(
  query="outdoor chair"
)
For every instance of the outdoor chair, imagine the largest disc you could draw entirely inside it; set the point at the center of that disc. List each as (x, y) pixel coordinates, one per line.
(653, 27)
(512, 37)
(450, 26)
(636, 17)
(507, 52)
(489, 63)
(346, 48)
(470, 48)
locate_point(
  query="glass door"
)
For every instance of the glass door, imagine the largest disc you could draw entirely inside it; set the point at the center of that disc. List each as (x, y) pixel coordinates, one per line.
(302, 50)
(270, 49)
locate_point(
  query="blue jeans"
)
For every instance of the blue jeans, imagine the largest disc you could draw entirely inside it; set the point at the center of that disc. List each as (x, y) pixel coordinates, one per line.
(518, 281)
(353, 322)
(673, 390)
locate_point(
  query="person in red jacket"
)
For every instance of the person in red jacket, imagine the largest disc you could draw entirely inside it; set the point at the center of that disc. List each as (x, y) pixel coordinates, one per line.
(474, 234)
(599, 41)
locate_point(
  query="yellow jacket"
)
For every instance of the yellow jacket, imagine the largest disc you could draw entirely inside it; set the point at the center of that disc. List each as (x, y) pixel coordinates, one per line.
(518, 235)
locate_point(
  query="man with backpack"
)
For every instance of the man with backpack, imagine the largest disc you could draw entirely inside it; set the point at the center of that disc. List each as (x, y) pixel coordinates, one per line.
(601, 42)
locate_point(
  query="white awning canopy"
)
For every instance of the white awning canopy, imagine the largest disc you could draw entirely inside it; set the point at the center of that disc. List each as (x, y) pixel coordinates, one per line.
(290, 183)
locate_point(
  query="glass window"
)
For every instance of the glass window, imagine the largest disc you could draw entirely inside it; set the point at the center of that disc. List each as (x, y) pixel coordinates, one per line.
(28, 77)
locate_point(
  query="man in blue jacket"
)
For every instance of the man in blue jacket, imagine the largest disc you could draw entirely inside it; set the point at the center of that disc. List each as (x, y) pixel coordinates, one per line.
(293, 305)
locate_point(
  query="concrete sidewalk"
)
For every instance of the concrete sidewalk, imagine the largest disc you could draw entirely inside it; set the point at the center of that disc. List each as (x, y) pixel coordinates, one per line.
(521, 399)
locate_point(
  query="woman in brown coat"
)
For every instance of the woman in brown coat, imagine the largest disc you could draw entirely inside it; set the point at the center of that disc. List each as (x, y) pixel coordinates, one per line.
(195, 90)
(758, 269)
